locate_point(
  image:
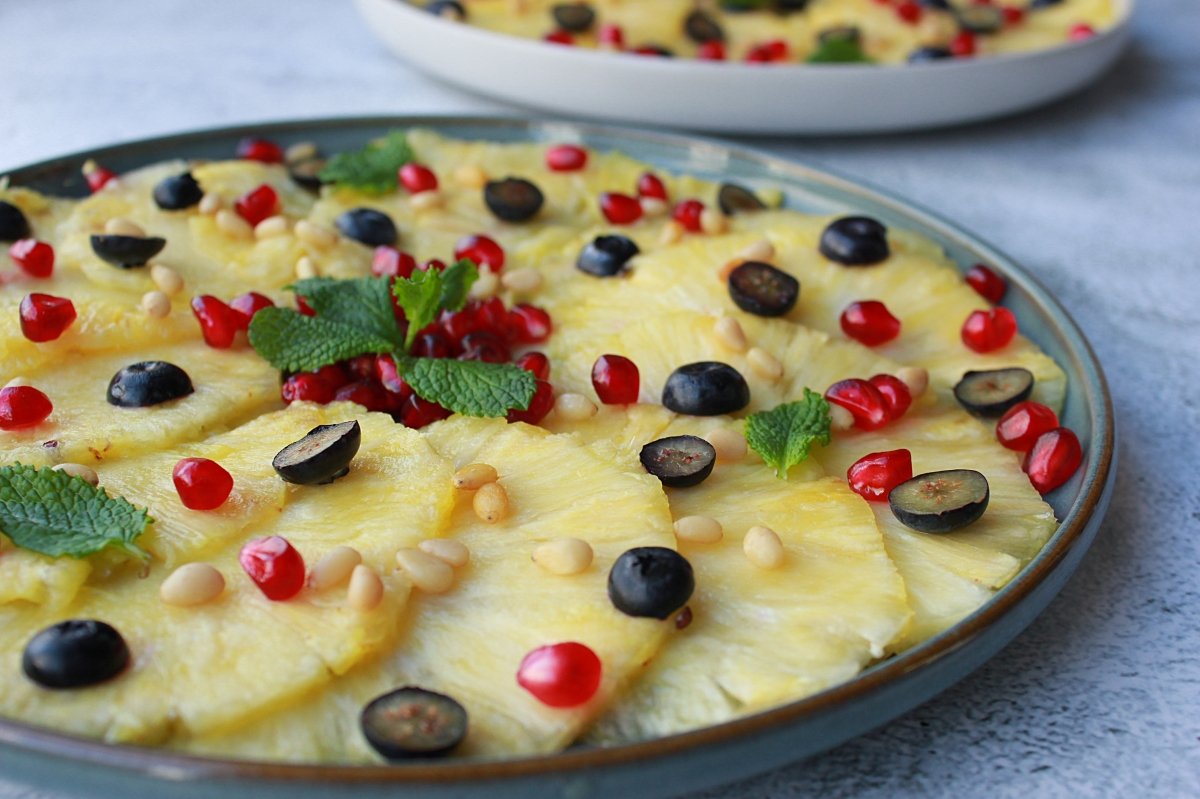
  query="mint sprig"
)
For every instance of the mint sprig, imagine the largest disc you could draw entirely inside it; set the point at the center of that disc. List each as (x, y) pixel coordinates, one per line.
(424, 295)
(56, 514)
(373, 168)
(293, 342)
(784, 435)
(839, 50)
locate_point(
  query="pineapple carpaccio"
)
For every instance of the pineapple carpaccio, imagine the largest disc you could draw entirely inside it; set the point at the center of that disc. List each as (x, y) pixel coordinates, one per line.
(454, 597)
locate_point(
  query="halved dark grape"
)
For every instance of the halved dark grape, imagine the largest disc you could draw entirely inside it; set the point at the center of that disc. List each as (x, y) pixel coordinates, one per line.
(940, 502)
(980, 19)
(786, 7)
(855, 241)
(763, 290)
(13, 224)
(650, 582)
(735, 199)
(412, 722)
(701, 28)
(573, 17)
(991, 392)
(513, 199)
(606, 256)
(941, 5)
(75, 654)
(367, 226)
(320, 457)
(177, 192)
(925, 54)
(706, 388)
(147, 383)
(679, 461)
(306, 172)
(127, 252)
(447, 9)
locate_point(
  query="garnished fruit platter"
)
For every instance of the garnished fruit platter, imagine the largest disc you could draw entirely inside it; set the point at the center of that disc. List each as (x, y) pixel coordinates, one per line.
(507, 459)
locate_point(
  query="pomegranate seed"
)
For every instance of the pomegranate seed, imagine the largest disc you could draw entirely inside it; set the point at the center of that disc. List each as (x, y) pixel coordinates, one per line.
(540, 405)
(651, 50)
(390, 262)
(1013, 15)
(263, 150)
(687, 213)
(1078, 33)
(484, 346)
(45, 317)
(417, 178)
(417, 412)
(537, 363)
(275, 567)
(35, 258)
(909, 12)
(561, 675)
(389, 377)
(874, 476)
(566, 158)
(458, 324)
(310, 387)
(257, 204)
(869, 322)
(218, 322)
(1022, 424)
(896, 395)
(1053, 459)
(768, 52)
(432, 345)
(23, 406)
(529, 324)
(863, 400)
(616, 380)
(963, 44)
(988, 331)
(649, 185)
(202, 484)
(250, 303)
(366, 393)
(360, 368)
(559, 37)
(611, 35)
(438, 265)
(620, 209)
(303, 307)
(98, 178)
(480, 249)
(712, 50)
(491, 315)
(987, 284)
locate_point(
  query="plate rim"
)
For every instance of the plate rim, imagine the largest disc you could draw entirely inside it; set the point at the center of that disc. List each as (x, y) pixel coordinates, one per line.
(1070, 537)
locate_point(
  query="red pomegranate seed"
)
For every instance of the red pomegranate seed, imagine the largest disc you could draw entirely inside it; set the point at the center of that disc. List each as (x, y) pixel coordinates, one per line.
(481, 249)
(1013, 15)
(869, 322)
(360, 368)
(1079, 33)
(863, 400)
(650, 185)
(616, 380)
(34, 258)
(909, 11)
(366, 393)
(202, 484)
(712, 50)
(310, 387)
(417, 412)
(45, 317)
(218, 322)
(687, 213)
(432, 345)
(987, 284)
(491, 315)
(895, 394)
(388, 376)
(390, 262)
(988, 331)
(561, 675)
(1053, 459)
(566, 158)
(529, 324)
(98, 178)
(559, 37)
(257, 204)
(275, 567)
(963, 44)
(611, 36)
(250, 303)
(537, 363)
(620, 209)
(768, 52)
(458, 324)
(23, 406)
(540, 405)
(874, 476)
(263, 150)
(303, 307)
(438, 265)
(417, 178)
(1022, 424)
(484, 346)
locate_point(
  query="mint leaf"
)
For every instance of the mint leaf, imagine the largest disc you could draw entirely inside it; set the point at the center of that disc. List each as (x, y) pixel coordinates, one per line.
(457, 280)
(364, 302)
(292, 342)
(472, 388)
(373, 168)
(784, 435)
(426, 293)
(55, 514)
(839, 50)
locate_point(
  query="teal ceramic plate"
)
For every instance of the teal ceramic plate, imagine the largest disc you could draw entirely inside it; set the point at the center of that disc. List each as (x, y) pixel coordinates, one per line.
(680, 764)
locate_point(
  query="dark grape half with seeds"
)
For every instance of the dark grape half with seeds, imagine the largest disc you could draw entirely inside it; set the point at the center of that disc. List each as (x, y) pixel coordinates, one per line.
(412, 722)
(447, 9)
(75, 654)
(606, 256)
(734, 199)
(574, 17)
(127, 252)
(177, 192)
(13, 224)
(320, 457)
(147, 383)
(513, 199)
(940, 502)
(701, 27)
(989, 393)
(306, 172)
(679, 461)
(855, 241)
(706, 388)
(650, 582)
(367, 226)
(763, 290)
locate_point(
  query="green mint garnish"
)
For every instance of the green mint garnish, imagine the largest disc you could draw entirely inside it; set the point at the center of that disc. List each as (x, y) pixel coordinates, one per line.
(784, 435)
(839, 51)
(429, 292)
(293, 342)
(373, 168)
(364, 303)
(56, 514)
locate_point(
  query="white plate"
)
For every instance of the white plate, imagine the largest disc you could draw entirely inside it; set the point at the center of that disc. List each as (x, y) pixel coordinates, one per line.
(734, 97)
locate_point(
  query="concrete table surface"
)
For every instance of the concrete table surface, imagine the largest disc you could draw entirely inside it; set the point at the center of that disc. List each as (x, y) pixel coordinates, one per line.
(1099, 195)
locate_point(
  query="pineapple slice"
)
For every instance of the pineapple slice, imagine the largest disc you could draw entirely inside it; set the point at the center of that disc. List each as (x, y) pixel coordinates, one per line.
(35, 579)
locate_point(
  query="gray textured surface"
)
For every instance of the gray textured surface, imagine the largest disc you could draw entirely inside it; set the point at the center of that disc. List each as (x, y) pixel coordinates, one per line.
(1100, 195)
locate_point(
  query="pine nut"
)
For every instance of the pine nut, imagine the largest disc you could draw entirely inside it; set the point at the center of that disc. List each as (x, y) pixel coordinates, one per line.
(575, 407)
(156, 304)
(366, 589)
(316, 235)
(120, 226)
(166, 278)
(698, 529)
(192, 584)
(305, 268)
(763, 547)
(474, 476)
(761, 250)
(522, 281)
(300, 151)
(564, 556)
(764, 364)
(233, 225)
(79, 470)
(730, 334)
(209, 204)
(334, 568)
(652, 206)
(271, 227)
(672, 233)
(486, 286)
(713, 222)
(425, 200)
(916, 378)
(840, 419)
(453, 552)
(17, 381)
(490, 502)
(429, 574)
(729, 444)
(471, 175)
